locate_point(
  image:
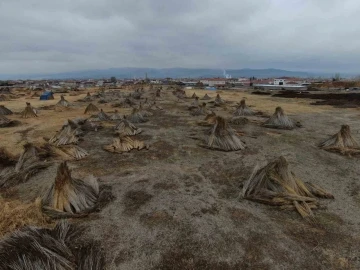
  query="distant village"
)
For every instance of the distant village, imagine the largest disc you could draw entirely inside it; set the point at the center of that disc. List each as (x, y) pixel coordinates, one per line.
(282, 83)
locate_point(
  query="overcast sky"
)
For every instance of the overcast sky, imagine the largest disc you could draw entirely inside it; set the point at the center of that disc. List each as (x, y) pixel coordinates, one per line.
(48, 36)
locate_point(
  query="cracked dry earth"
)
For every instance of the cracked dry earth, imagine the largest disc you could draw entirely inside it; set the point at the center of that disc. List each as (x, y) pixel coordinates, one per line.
(178, 205)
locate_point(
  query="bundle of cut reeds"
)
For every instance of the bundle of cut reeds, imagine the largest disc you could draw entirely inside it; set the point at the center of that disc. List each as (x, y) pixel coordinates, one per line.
(222, 137)
(276, 185)
(194, 104)
(144, 112)
(200, 110)
(5, 111)
(91, 108)
(219, 101)
(70, 196)
(27, 165)
(125, 144)
(342, 142)
(136, 116)
(279, 120)
(206, 97)
(67, 135)
(63, 102)
(29, 111)
(116, 116)
(102, 116)
(63, 247)
(243, 109)
(125, 128)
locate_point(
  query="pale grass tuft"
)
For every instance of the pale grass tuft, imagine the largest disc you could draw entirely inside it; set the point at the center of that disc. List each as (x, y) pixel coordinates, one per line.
(15, 214)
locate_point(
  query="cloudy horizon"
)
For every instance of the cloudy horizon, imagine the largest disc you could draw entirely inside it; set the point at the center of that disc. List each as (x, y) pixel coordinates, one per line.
(63, 36)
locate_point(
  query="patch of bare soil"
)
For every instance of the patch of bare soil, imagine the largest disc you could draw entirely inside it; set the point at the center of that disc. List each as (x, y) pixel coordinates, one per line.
(24, 133)
(165, 186)
(355, 192)
(157, 218)
(186, 254)
(240, 216)
(133, 200)
(227, 175)
(343, 100)
(160, 150)
(261, 93)
(326, 245)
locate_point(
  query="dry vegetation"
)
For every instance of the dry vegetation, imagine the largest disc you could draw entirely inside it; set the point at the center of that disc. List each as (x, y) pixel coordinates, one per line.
(14, 215)
(175, 204)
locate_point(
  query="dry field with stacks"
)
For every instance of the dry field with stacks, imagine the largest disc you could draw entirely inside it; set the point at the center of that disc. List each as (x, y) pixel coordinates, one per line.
(178, 203)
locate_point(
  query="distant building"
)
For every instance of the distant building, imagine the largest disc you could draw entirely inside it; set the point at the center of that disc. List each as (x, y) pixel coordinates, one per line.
(189, 83)
(155, 81)
(100, 83)
(213, 82)
(290, 81)
(279, 81)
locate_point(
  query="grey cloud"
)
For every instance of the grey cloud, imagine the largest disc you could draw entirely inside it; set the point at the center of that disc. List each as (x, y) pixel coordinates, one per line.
(56, 36)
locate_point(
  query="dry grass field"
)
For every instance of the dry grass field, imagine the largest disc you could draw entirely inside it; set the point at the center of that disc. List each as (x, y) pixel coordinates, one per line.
(179, 206)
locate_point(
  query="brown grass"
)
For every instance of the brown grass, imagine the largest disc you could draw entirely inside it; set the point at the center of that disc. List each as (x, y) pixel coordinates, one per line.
(15, 214)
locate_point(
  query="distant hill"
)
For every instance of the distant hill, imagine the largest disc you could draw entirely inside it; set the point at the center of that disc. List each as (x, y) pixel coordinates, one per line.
(129, 73)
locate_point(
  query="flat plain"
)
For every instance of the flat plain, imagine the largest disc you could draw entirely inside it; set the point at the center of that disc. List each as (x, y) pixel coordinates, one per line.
(179, 206)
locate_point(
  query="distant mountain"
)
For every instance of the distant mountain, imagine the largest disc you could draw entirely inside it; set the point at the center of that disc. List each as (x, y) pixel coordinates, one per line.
(130, 73)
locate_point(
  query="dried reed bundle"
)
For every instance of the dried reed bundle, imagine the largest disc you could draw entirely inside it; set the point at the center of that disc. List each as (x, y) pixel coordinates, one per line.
(5, 111)
(206, 97)
(209, 120)
(179, 93)
(70, 196)
(63, 102)
(200, 110)
(143, 111)
(222, 137)
(102, 116)
(125, 144)
(243, 109)
(29, 111)
(136, 117)
(91, 108)
(27, 165)
(67, 152)
(116, 116)
(276, 185)
(342, 142)
(63, 247)
(90, 125)
(194, 104)
(279, 120)
(5, 122)
(69, 134)
(219, 101)
(125, 128)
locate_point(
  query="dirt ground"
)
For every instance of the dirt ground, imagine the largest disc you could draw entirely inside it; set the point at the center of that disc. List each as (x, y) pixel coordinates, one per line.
(341, 99)
(178, 205)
